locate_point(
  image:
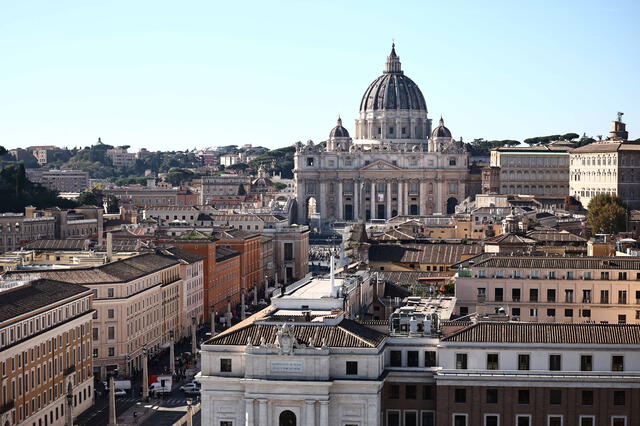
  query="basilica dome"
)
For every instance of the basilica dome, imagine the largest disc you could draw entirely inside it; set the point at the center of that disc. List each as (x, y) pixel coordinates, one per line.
(339, 131)
(393, 90)
(441, 131)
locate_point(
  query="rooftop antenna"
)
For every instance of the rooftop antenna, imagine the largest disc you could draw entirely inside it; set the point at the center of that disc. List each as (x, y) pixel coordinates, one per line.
(620, 114)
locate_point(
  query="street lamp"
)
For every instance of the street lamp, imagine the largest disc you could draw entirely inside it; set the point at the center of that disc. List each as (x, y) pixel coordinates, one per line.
(193, 335)
(255, 293)
(113, 421)
(189, 412)
(213, 320)
(172, 358)
(69, 416)
(266, 287)
(145, 375)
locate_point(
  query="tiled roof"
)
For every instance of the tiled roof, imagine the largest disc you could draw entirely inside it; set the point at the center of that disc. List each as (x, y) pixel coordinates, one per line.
(555, 236)
(561, 262)
(115, 272)
(35, 295)
(346, 334)
(185, 255)
(608, 146)
(57, 245)
(408, 278)
(445, 254)
(506, 239)
(545, 333)
(235, 234)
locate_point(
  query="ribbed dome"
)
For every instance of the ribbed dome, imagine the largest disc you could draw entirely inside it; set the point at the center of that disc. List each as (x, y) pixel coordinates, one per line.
(441, 131)
(339, 131)
(393, 90)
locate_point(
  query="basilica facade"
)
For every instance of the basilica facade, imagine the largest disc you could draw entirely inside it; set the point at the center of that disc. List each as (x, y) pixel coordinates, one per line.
(396, 164)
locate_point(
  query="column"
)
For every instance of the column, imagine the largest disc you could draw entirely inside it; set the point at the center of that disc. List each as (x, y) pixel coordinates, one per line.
(249, 411)
(324, 413)
(321, 202)
(302, 202)
(262, 412)
(310, 412)
(340, 215)
(356, 200)
(400, 198)
(373, 200)
(388, 199)
(423, 198)
(413, 128)
(405, 196)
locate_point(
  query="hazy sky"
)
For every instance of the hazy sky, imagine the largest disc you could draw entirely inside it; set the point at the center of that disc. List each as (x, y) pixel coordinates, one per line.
(179, 75)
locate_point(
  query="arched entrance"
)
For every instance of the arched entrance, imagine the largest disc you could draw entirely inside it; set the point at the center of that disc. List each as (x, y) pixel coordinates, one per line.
(451, 205)
(310, 208)
(287, 418)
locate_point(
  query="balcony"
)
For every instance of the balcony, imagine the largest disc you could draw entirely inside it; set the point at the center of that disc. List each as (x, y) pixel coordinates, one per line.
(69, 370)
(7, 406)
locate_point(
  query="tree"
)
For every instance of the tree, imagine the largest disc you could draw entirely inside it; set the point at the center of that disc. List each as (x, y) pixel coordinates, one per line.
(607, 214)
(177, 177)
(88, 198)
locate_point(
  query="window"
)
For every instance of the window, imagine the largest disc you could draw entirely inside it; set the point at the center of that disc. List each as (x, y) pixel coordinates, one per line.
(410, 418)
(618, 421)
(622, 297)
(226, 423)
(523, 396)
(622, 319)
(492, 396)
(587, 397)
(604, 296)
(555, 362)
(551, 312)
(110, 292)
(410, 392)
(499, 294)
(515, 312)
(95, 333)
(618, 397)
(586, 363)
(569, 275)
(112, 351)
(622, 275)
(352, 368)
(586, 276)
(428, 418)
(617, 363)
(568, 313)
(396, 358)
(604, 275)
(461, 361)
(587, 421)
(412, 359)
(430, 359)
(586, 313)
(491, 420)
(111, 331)
(482, 292)
(110, 313)
(460, 395)
(554, 420)
(310, 161)
(515, 294)
(551, 295)
(533, 294)
(524, 361)
(393, 417)
(95, 353)
(225, 365)
(555, 396)
(427, 392)
(586, 296)
(394, 392)
(459, 420)
(568, 296)
(492, 361)
(523, 420)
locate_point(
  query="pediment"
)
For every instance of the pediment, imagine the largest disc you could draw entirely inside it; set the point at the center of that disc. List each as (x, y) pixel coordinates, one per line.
(380, 165)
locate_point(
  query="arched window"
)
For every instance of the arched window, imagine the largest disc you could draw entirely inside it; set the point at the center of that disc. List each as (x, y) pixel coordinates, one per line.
(287, 418)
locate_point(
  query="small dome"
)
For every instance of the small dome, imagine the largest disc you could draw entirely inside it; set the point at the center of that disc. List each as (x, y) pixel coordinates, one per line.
(441, 131)
(339, 131)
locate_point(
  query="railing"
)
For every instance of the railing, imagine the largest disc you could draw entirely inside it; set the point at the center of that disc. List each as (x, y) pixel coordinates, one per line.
(7, 406)
(69, 370)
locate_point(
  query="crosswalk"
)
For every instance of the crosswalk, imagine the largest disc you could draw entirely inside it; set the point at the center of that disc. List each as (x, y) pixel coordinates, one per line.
(157, 402)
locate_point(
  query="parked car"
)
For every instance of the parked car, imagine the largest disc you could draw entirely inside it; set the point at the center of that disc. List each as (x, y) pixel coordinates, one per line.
(120, 392)
(191, 388)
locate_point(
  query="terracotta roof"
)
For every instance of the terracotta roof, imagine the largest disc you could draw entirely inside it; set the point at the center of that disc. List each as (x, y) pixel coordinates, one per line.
(608, 146)
(408, 278)
(346, 334)
(507, 239)
(235, 234)
(35, 295)
(560, 262)
(185, 255)
(555, 236)
(115, 272)
(57, 245)
(445, 254)
(520, 332)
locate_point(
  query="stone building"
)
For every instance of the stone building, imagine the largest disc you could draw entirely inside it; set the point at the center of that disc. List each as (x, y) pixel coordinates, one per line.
(536, 170)
(611, 167)
(396, 164)
(60, 180)
(45, 351)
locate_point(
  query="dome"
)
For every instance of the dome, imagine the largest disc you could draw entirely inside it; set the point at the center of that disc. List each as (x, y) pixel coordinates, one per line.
(441, 131)
(393, 90)
(339, 131)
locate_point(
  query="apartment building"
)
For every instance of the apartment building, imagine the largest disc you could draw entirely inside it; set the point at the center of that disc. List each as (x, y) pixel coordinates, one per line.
(249, 246)
(43, 153)
(45, 351)
(136, 302)
(17, 228)
(120, 157)
(144, 197)
(60, 180)
(214, 187)
(191, 296)
(570, 289)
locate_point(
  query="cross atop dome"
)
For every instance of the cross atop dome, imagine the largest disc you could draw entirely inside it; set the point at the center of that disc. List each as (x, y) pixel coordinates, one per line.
(393, 62)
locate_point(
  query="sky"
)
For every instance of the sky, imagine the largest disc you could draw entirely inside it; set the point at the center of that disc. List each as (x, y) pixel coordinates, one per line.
(194, 74)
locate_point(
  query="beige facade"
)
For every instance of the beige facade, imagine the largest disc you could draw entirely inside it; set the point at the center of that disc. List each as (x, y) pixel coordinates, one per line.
(45, 350)
(144, 197)
(17, 228)
(60, 180)
(538, 170)
(552, 289)
(136, 302)
(214, 187)
(608, 167)
(121, 157)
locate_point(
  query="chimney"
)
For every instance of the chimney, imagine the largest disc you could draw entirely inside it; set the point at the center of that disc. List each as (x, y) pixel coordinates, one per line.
(29, 212)
(109, 246)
